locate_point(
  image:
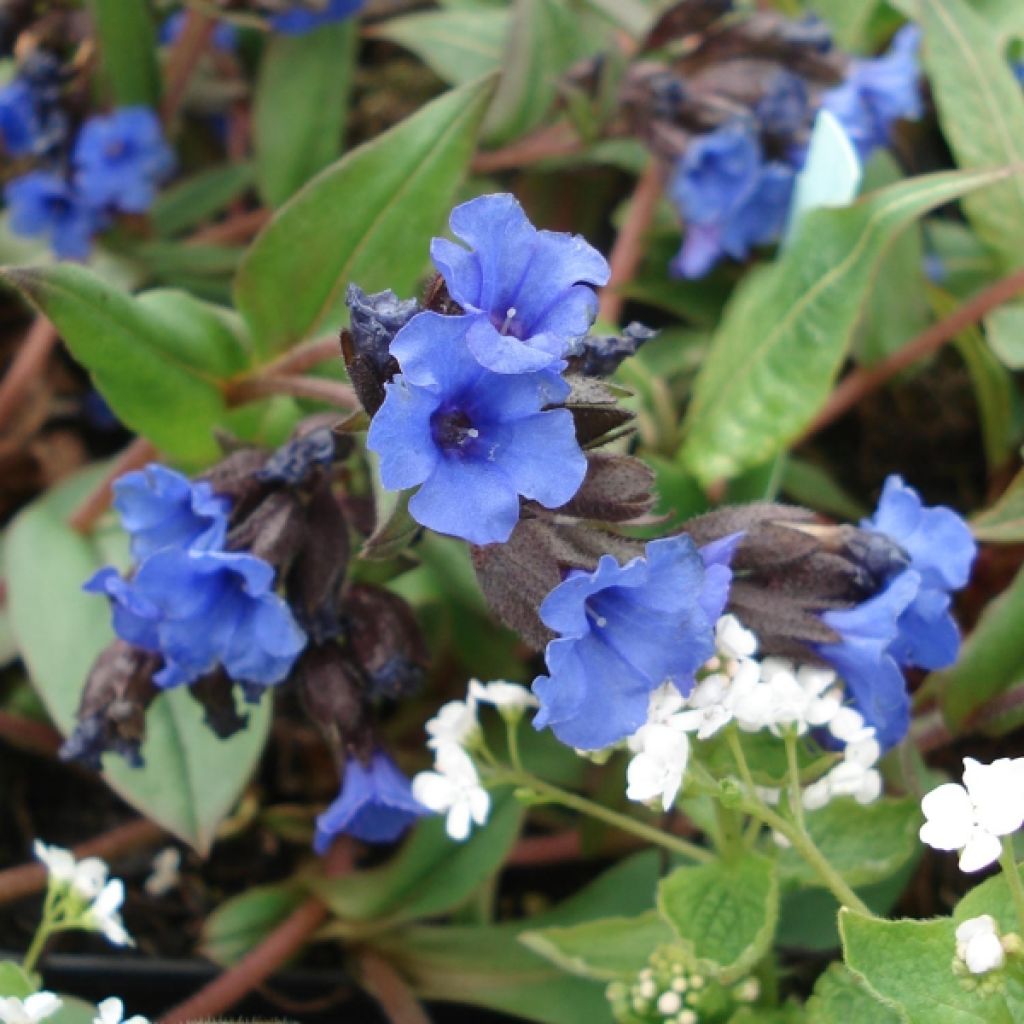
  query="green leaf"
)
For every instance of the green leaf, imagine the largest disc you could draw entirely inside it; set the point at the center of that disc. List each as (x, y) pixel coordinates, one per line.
(1003, 522)
(850, 23)
(991, 897)
(300, 105)
(991, 660)
(864, 842)
(1004, 330)
(811, 485)
(292, 281)
(127, 41)
(141, 366)
(196, 199)
(610, 947)
(191, 779)
(542, 41)
(16, 982)
(787, 329)
(459, 45)
(430, 875)
(241, 923)
(981, 110)
(840, 997)
(74, 1011)
(995, 394)
(724, 912)
(908, 965)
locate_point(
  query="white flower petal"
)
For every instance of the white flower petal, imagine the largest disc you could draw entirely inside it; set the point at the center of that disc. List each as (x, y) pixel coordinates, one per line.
(458, 821)
(434, 791)
(111, 1011)
(732, 639)
(982, 849)
(950, 817)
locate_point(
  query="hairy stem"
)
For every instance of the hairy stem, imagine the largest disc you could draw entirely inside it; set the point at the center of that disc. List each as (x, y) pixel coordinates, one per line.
(796, 802)
(1009, 865)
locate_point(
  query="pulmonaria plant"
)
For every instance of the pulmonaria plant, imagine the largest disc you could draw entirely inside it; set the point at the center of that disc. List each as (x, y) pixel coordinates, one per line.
(299, 18)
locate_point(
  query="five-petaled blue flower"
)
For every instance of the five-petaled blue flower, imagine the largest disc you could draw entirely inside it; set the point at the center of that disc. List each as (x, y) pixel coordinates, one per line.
(19, 119)
(121, 158)
(161, 508)
(528, 291)
(42, 203)
(908, 622)
(473, 441)
(300, 20)
(375, 804)
(729, 196)
(879, 91)
(625, 630)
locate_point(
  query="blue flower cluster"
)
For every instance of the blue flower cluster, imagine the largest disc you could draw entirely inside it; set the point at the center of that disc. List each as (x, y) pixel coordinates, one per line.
(190, 600)
(375, 804)
(625, 630)
(117, 163)
(468, 418)
(300, 20)
(732, 197)
(908, 623)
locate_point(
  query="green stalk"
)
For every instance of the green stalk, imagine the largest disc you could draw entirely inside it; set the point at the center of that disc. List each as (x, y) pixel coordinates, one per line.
(1009, 866)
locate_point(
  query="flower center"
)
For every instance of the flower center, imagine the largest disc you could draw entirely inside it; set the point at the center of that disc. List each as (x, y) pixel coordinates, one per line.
(512, 325)
(453, 431)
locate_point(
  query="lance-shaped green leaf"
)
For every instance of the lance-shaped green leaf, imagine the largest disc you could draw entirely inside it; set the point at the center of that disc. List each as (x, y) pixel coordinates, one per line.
(244, 921)
(909, 966)
(368, 218)
(127, 41)
(1003, 522)
(724, 912)
(299, 106)
(786, 331)
(191, 201)
(981, 110)
(154, 378)
(190, 779)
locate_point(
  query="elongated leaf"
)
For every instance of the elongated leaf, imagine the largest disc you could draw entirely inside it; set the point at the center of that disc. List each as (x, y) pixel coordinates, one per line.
(981, 109)
(246, 920)
(992, 659)
(1004, 330)
(908, 965)
(191, 779)
(368, 219)
(458, 45)
(195, 199)
(141, 365)
(299, 107)
(127, 39)
(785, 333)
(1003, 523)
(724, 912)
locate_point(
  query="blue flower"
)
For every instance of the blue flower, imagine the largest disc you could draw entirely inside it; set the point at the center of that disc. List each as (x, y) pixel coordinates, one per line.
(879, 91)
(225, 35)
(121, 158)
(784, 110)
(19, 119)
(529, 290)
(161, 508)
(626, 629)
(44, 204)
(729, 197)
(473, 441)
(375, 804)
(298, 21)
(201, 609)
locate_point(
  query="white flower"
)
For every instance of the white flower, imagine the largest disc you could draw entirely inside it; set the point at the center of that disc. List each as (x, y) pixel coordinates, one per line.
(970, 818)
(111, 1011)
(453, 789)
(31, 1009)
(454, 724)
(978, 945)
(166, 874)
(87, 877)
(855, 775)
(502, 695)
(732, 639)
(104, 914)
(657, 769)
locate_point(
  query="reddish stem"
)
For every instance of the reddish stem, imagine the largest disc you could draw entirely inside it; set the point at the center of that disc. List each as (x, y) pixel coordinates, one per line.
(555, 140)
(305, 356)
(96, 503)
(26, 734)
(260, 963)
(391, 990)
(550, 849)
(196, 33)
(27, 879)
(317, 388)
(240, 227)
(26, 367)
(628, 250)
(861, 382)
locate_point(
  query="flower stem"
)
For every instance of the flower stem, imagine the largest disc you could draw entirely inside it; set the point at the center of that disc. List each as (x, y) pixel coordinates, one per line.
(1009, 865)
(620, 821)
(35, 949)
(796, 803)
(733, 738)
(512, 732)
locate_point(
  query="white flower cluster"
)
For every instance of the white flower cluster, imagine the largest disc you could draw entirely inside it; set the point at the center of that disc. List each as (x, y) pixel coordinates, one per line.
(971, 818)
(978, 945)
(453, 787)
(42, 1005)
(97, 898)
(770, 694)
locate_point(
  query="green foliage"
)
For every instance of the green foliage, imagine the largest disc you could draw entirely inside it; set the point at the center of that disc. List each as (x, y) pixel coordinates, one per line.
(841, 997)
(293, 279)
(145, 369)
(991, 659)
(127, 40)
(299, 107)
(723, 912)
(1003, 522)
(195, 199)
(788, 327)
(241, 923)
(909, 966)
(190, 779)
